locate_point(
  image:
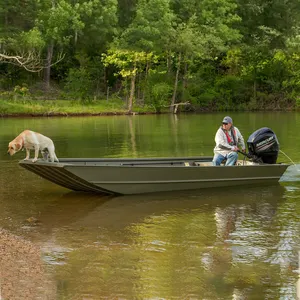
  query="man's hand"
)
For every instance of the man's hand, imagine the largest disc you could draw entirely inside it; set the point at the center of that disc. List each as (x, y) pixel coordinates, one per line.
(236, 148)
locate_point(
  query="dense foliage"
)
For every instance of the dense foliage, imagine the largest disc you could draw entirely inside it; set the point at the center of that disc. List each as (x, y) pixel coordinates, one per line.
(214, 54)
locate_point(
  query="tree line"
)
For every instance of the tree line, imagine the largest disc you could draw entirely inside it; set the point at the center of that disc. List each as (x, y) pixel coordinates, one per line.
(214, 54)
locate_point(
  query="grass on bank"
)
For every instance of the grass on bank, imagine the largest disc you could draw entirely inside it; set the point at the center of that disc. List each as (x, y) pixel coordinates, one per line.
(66, 107)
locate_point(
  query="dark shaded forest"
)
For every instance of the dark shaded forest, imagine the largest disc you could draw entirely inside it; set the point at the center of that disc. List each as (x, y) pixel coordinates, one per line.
(213, 54)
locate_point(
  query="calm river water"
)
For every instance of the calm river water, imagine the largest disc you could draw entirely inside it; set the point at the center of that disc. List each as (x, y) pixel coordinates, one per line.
(228, 243)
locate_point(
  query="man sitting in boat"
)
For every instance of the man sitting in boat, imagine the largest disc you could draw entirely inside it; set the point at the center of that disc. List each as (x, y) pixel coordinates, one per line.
(227, 140)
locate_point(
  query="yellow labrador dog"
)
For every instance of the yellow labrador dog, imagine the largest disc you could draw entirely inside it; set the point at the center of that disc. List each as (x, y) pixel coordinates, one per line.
(31, 140)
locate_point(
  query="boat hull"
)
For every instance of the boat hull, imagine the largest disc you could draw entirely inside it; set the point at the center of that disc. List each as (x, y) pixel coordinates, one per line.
(137, 176)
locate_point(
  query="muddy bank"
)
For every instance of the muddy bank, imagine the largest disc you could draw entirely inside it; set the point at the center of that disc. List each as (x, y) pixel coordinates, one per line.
(59, 114)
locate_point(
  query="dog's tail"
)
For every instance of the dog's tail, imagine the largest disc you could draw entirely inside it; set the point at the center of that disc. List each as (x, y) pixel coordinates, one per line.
(55, 158)
(52, 154)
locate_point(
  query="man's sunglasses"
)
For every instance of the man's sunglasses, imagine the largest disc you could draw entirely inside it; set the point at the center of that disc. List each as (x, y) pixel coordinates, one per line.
(225, 123)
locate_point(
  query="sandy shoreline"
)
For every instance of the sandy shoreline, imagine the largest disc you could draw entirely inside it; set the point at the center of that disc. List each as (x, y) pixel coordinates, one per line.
(22, 270)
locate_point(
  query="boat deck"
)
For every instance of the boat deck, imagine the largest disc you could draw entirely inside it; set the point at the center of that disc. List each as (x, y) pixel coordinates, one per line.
(176, 162)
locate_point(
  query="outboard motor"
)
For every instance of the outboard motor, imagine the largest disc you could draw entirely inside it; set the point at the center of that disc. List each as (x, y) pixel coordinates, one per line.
(263, 146)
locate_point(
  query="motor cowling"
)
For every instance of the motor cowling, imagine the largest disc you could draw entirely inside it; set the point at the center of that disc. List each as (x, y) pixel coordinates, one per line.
(263, 146)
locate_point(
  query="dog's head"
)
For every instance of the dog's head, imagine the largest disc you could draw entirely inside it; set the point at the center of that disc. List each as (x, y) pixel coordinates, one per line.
(13, 147)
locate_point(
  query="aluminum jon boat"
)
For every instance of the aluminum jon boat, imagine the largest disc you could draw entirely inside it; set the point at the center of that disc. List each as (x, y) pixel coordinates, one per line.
(147, 175)
(135, 176)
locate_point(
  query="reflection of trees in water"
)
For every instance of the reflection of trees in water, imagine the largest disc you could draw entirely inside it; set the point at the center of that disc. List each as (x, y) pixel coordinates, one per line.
(243, 231)
(174, 133)
(132, 137)
(285, 254)
(135, 249)
(171, 265)
(262, 246)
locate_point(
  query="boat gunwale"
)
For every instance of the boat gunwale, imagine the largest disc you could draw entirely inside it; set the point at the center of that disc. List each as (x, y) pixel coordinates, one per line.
(151, 163)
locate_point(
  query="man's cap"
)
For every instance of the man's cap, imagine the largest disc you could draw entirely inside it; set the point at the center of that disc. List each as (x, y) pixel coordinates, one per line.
(227, 120)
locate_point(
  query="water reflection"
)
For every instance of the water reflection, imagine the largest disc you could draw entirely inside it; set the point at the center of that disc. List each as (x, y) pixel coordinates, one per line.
(228, 243)
(209, 244)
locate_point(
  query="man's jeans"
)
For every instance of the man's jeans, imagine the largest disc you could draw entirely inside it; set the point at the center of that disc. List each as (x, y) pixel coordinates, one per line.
(231, 159)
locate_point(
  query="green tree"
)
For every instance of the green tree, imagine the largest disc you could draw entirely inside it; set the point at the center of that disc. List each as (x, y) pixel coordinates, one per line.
(149, 31)
(128, 63)
(20, 44)
(58, 21)
(126, 12)
(266, 27)
(204, 30)
(100, 25)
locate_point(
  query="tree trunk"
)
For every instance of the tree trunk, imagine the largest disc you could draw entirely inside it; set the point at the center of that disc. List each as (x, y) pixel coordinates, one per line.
(126, 90)
(75, 37)
(132, 89)
(254, 89)
(145, 80)
(106, 85)
(169, 62)
(138, 93)
(254, 93)
(48, 66)
(184, 81)
(175, 84)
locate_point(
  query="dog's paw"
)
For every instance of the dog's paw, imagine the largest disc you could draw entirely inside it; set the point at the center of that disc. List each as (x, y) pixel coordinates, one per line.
(25, 158)
(34, 160)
